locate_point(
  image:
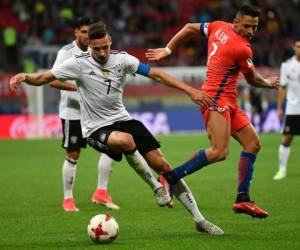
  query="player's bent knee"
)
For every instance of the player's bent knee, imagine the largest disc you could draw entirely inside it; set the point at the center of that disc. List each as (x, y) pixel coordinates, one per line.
(253, 147)
(125, 141)
(219, 154)
(258, 146)
(73, 154)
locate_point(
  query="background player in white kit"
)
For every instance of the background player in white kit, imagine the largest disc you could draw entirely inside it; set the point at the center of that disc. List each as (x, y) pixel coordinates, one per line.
(69, 112)
(289, 87)
(100, 79)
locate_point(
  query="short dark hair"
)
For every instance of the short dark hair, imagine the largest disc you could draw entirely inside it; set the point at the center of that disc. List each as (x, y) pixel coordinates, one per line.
(98, 30)
(296, 39)
(81, 21)
(249, 10)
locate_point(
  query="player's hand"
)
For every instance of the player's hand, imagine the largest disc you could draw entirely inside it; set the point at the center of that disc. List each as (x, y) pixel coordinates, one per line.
(199, 97)
(280, 113)
(273, 82)
(16, 80)
(156, 54)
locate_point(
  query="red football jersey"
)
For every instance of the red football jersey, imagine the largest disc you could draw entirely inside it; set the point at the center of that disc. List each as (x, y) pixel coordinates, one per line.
(228, 54)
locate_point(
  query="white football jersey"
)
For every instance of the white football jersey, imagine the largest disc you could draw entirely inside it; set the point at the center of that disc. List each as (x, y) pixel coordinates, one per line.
(69, 105)
(290, 77)
(100, 87)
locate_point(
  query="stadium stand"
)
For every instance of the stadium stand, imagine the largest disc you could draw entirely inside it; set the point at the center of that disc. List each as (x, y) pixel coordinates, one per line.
(136, 25)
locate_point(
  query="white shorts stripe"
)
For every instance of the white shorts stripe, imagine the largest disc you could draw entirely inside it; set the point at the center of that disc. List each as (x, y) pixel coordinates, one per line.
(67, 133)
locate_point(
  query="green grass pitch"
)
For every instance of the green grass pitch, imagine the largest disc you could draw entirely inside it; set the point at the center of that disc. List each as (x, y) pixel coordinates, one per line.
(31, 194)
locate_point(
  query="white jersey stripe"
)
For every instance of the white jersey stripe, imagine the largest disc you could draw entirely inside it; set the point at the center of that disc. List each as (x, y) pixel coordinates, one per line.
(67, 133)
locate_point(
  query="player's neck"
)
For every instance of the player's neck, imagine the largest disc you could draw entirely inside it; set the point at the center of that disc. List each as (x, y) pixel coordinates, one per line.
(80, 46)
(102, 62)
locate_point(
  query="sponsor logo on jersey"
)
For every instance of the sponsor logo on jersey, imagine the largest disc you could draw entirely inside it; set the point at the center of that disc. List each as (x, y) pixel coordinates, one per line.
(105, 72)
(92, 73)
(221, 36)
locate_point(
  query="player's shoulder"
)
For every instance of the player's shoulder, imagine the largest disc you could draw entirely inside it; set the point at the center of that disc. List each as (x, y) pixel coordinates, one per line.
(217, 27)
(66, 51)
(288, 61)
(118, 52)
(219, 23)
(117, 55)
(68, 47)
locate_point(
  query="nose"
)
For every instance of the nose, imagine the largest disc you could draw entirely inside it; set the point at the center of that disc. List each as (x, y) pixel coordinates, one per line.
(102, 52)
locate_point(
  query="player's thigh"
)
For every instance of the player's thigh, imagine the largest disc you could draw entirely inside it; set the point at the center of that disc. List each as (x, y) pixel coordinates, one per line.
(218, 129)
(118, 140)
(144, 140)
(248, 138)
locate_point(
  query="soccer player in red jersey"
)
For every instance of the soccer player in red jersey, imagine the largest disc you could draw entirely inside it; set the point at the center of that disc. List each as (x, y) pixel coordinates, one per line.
(229, 53)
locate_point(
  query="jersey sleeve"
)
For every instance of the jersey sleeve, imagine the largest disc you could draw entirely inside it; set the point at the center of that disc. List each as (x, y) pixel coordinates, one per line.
(283, 75)
(244, 60)
(131, 64)
(68, 70)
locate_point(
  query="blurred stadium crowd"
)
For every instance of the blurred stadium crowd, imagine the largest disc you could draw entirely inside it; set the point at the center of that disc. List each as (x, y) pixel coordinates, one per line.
(138, 24)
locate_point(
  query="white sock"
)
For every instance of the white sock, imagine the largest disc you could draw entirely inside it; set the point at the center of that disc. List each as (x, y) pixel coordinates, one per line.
(104, 170)
(185, 196)
(284, 152)
(69, 173)
(138, 163)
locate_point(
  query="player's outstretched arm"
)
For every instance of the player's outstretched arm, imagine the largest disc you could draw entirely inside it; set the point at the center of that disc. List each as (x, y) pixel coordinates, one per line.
(188, 31)
(35, 79)
(196, 95)
(63, 85)
(256, 80)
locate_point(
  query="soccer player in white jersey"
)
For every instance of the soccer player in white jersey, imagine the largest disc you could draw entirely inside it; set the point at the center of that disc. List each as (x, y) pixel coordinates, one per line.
(69, 112)
(289, 87)
(106, 123)
(73, 140)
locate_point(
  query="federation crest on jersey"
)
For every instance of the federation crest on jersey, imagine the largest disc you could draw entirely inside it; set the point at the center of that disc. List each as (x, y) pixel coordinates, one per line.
(118, 70)
(105, 72)
(221, 109)
(249, 62)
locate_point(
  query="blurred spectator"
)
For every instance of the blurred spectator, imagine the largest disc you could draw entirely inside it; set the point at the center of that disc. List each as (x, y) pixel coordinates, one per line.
(150, 23)
(11, 49)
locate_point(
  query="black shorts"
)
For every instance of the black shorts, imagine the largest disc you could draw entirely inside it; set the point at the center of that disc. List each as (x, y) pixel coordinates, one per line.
(291, 125)
(144, 140)
(72, 135)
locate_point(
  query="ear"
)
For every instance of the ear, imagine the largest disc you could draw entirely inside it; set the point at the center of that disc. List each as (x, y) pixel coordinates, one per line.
(75, 31)
(109, 37)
